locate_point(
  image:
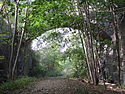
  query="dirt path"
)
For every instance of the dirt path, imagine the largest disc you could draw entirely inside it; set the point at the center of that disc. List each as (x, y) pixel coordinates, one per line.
(62, 86)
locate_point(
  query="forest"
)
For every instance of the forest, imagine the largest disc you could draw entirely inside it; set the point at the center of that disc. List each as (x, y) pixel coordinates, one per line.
(62, 46)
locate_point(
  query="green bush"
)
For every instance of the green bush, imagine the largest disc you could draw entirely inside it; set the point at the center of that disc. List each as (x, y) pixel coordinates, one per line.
(77, 74)
(122, 86)
(81, 91)
(53, 74)
(13, 85)
(42, 71)
(39, 71)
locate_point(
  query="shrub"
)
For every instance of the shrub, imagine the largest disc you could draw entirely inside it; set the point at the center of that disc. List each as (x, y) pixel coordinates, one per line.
(122, 86)
(53, 73)
(13, 85)
(82, 91)
(39, 71)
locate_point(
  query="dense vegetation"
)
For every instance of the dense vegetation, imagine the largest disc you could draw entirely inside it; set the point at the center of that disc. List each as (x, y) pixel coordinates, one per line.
(18, 84)
(63, 38)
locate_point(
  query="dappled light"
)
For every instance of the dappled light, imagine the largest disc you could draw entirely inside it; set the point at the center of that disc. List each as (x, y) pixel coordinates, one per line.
(62, 47)
(57, 51)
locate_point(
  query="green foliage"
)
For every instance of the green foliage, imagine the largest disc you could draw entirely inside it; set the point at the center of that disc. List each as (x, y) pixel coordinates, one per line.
(70, 63)
(44, 15)
(80, 73)
(48, 15)
(42, 71)
(74, 65)
(39, 71)
(122, 86)
(120, 3)
(53, 73)
(82, 91)
(13, 85)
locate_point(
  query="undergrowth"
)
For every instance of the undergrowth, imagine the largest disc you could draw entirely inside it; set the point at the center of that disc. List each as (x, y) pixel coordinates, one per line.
(81, 91)
(122, 86)
(17, 84)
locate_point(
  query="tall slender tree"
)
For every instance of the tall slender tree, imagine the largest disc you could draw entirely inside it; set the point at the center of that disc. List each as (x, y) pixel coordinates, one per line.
(14, 37)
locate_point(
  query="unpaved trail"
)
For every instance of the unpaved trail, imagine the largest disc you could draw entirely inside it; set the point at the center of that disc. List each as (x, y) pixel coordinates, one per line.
(53, 86)
(61, 86)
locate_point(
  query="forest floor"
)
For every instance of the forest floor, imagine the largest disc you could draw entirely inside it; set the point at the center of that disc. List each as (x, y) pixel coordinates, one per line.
(64, 86)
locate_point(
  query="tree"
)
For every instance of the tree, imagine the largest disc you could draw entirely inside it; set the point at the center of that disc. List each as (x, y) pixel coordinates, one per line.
(96, 21)
(14, 38)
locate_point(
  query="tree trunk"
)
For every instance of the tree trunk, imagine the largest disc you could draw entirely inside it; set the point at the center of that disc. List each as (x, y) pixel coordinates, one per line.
(86, 45)
(117, 44)
(85, 52)
(122, 31)
(91, 46)
(19, 47)
(13, 39)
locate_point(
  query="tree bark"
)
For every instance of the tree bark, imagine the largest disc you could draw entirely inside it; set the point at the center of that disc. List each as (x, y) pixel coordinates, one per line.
(86, 60)
(91, 46)
(85, 44)
(122, 31)
(19, 47)
(116, 29)
(13, 39)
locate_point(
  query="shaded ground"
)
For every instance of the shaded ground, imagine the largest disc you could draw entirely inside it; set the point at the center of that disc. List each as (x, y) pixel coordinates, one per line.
(63, 86)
